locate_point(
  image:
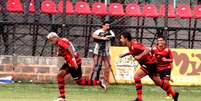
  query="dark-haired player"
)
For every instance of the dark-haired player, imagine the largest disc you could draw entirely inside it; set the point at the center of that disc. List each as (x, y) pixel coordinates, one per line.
(144, 58)
(164, 58)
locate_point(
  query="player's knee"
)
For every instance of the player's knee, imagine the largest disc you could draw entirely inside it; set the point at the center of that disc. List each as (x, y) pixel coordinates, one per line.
(157, 83)
(61, 73)
(137, 78)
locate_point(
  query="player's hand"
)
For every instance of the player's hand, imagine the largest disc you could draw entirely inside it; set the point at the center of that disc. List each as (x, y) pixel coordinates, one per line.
(164, 59)
(138, 57)
(121, 55)
(73, 64)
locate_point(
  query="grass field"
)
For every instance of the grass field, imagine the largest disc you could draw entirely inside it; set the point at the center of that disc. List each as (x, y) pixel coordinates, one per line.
(48, 92)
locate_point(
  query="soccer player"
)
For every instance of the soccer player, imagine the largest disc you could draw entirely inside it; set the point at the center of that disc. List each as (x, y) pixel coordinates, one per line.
(71, 66)
(164, 58)
(141, 54)
(146, 61)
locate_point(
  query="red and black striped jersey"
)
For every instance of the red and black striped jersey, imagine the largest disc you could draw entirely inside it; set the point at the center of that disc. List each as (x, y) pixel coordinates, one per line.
(137, 48)
(159, 54)
(63, 48)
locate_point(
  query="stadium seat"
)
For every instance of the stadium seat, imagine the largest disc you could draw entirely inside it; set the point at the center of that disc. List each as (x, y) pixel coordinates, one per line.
(99, 8)
(150, 10)
(32, 6)
(69, 7)
(171, 13)
(48, 6)
(133, 9)
(183, 11)
(14, 6)
(197, 12)
(116, 9)
(82, 8)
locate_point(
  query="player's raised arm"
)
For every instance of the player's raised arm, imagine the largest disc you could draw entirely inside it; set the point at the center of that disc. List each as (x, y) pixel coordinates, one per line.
(170, 59)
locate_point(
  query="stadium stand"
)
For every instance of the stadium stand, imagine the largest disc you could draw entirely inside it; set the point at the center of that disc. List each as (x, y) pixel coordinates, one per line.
(116, 9)
(14, 6)
(184, 11)
(133, 9)
(99, 8)
(197, 11)
(150, 10)
(49, 7)
(82, 8)
(69, 7)
(171, 13)
(32, 7)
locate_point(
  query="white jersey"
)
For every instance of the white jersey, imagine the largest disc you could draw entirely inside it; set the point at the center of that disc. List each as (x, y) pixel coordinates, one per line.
(102, 47)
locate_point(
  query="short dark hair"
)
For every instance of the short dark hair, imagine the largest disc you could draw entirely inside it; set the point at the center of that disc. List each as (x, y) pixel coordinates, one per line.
(105, 22)
(160, 36)
(127, 35)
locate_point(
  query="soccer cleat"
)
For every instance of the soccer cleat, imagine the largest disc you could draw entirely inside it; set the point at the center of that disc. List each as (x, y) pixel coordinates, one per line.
(168, 97)
(103, 84)
(60, 99)
(137, 99)
(176, 96)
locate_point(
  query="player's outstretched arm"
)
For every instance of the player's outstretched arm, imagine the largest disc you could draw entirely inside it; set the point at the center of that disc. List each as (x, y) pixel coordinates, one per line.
(123, 55)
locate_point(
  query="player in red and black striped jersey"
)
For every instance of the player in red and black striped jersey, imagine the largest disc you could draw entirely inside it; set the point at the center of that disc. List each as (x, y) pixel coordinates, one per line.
(164, 58)
(72, 65)
(145, 59)
(141, 54)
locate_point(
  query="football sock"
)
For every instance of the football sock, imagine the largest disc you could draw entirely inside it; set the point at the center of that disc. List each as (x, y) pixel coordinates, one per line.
(167, 87)
(90, 82)
(61, 85)
(138, 86)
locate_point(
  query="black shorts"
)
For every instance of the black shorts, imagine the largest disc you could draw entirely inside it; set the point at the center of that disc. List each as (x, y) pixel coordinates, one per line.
(75, 73)
(165, 74)
(150, 69)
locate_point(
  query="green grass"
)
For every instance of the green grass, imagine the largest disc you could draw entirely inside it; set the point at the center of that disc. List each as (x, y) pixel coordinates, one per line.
(48, 92)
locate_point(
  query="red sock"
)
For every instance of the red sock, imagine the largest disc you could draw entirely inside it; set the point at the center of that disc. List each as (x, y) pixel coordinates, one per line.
(167, 87)
(61, 85)
(138, 86)
(90, 82)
